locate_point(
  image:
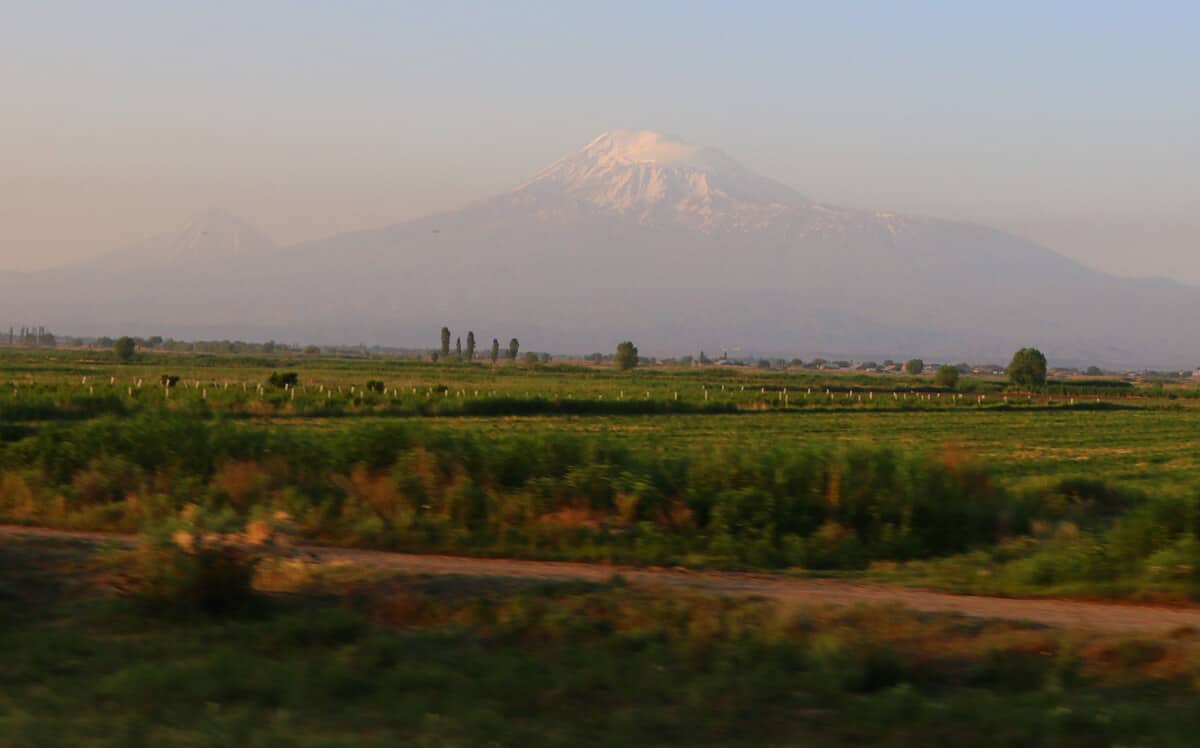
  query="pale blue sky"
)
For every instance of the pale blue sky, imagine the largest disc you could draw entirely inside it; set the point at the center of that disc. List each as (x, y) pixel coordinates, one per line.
(1074, 123)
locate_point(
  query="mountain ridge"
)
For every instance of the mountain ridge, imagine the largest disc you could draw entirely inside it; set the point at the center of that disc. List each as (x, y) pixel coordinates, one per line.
(639, 235)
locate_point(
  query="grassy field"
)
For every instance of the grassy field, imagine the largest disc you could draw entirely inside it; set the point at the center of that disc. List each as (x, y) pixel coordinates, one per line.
(211, 635)
(981, 488)
(336, 656)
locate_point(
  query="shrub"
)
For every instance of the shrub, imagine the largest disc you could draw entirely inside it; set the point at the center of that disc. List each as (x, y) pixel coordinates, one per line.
(374, 385)
(283, 379)
(203, 562)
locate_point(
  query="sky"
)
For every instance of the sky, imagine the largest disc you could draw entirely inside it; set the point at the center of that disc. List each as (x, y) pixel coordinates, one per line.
(1076, 124)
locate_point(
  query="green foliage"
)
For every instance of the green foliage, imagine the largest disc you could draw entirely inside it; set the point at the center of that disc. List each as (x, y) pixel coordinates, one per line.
(946, 376)
(124, 348)
(376, 386)
(445, 342)
(815, 506)
(1028, 368)
(84, 444)
(201, 561)
(470, 345)
(495, 354)
(282, 380)
(514, 346)
(627, 356)
(168, 380)
(462, 662)
(914, 366)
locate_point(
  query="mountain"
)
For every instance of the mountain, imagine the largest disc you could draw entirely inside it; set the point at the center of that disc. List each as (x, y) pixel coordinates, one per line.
(643, 236)
(215, 234)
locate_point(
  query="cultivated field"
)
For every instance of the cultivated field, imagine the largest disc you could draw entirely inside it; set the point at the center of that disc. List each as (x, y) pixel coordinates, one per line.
(1085, 488)
(216, 629)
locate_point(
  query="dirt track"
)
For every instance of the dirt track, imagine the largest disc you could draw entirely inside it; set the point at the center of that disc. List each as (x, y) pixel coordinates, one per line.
(1098, 616)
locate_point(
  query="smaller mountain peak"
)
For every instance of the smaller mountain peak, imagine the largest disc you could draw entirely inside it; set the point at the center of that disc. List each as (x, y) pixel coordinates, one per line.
(217, 233)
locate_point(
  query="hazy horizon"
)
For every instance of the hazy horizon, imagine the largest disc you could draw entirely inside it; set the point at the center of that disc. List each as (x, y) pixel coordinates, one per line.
(1071, 125)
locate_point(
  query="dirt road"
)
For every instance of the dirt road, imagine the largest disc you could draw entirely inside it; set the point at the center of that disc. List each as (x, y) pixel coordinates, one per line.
(1097, 616)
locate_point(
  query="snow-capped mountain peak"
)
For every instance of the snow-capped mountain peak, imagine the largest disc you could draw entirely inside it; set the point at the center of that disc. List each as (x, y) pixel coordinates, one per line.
(655, 178)
(649, 147)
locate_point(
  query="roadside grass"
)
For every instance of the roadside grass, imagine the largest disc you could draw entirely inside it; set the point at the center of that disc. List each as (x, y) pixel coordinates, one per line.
(339, 658)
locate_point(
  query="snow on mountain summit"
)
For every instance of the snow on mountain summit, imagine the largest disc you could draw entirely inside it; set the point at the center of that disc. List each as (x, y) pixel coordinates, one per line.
(649, 147)
(653, 178)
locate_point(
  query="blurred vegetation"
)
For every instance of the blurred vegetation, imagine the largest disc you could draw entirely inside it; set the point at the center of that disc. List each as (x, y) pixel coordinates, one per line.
(467, 662)
(407, 486)
(828, 471)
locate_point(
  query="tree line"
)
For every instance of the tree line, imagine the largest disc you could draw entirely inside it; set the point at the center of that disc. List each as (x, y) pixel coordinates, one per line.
(510, 353)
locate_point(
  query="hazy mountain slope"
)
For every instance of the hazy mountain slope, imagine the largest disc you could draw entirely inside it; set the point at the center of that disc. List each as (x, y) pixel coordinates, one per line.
(676, 246)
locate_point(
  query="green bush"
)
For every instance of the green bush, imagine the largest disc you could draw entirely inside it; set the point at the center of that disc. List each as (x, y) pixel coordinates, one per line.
(283, 379)
(404, 485)
(202, 562)
(946, 376)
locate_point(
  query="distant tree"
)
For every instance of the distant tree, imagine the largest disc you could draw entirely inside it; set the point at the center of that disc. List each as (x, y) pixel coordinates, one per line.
(1028, 368)
(445, 342)
(434, 356)
(154, 341)
(763, 363)
(686, 360)
(946, 376)
(312, 350)
(268, 347)
(124, 348)
(514, 347)
(458, 348)
(627, 355)
(495, 350)
(704, 359)
(532, 358)
(1094, 371)
(914, 366)
(470, 345)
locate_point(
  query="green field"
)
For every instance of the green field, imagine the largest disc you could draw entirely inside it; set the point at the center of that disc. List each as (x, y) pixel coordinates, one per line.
(211, 634)
(982, 487)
